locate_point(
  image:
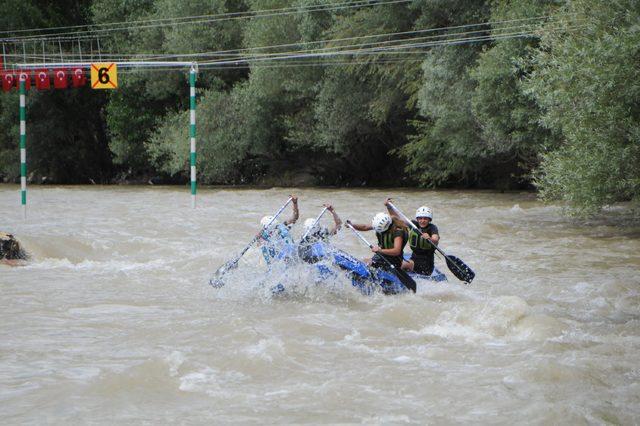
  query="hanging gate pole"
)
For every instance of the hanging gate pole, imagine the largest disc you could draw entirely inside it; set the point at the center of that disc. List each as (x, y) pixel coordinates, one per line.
(192, 131)
(23, 148)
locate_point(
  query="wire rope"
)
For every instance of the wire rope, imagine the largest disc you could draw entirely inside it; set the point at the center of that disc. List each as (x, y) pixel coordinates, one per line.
(236, 52)
(215, 18)
(417, 48)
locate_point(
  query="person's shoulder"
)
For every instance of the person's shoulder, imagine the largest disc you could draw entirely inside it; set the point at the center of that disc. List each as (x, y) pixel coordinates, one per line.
(399, 230)
(433, 227)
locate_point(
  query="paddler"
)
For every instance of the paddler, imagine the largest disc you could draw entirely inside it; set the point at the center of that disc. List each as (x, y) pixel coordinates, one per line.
(392, 237)
(277, 237)
(309, 250)
(314, 232)
(422, 256)
(11, 252)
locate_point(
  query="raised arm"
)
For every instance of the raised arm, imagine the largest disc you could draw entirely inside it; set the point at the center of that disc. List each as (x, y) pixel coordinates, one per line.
(296, 213)
(360, 226)
(337, 222)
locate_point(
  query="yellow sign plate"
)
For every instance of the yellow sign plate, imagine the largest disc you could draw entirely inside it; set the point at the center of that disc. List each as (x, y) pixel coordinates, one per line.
(104, 76)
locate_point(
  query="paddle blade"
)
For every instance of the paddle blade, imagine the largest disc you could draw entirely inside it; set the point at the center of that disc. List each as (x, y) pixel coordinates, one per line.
(216, 280)
(460, 269)
(405, 279)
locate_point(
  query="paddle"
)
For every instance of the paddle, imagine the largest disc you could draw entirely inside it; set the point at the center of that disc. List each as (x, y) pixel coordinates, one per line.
(404, 278)
(216, 281)
(455, 265)
(315, 222)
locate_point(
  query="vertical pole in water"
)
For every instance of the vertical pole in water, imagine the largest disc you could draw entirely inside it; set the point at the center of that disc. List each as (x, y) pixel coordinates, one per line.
(192, 132)
(23, 147)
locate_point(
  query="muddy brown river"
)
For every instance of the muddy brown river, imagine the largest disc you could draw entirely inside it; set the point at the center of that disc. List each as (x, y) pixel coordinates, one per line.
(112, 321)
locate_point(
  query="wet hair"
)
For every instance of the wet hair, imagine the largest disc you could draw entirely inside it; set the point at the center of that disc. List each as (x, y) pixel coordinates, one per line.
(10, 248)
(398, 224)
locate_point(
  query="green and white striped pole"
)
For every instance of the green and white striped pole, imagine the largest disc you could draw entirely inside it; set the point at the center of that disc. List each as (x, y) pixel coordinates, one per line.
(192, 132)
(23, 147)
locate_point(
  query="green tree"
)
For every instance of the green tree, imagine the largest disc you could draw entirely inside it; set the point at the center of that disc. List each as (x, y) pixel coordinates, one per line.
(509, 118)
(284, 90)
(447, 144)
(147, 96)
(65, 134)
(229, 138)
(587, 81)
(362, 107)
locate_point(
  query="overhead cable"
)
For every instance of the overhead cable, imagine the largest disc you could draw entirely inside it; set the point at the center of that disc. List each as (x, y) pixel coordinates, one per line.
(401, 49)
(126, 26)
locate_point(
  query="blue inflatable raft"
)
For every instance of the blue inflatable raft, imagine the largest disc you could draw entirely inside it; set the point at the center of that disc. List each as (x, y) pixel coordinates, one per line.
(365, 278)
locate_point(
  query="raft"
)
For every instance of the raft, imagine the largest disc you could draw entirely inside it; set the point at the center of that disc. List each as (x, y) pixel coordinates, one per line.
(436, 276)
(365, 278)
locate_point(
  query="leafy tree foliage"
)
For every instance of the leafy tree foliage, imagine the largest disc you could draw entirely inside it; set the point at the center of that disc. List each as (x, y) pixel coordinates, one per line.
(447, 146)
(362, 107)
(147, 95)
(227, 139)
(509, 118)
(65, 132)
(587, 80)
(556, 107)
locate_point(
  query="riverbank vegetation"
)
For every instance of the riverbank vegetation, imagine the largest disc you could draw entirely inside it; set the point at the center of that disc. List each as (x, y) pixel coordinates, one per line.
(494, 94)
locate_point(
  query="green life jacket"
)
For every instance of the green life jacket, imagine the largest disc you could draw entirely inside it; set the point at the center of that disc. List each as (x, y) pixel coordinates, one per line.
(385, 240)
(419, 245)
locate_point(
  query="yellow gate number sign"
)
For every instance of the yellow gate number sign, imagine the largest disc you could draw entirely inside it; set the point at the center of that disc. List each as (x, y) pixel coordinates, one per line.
(104, 76)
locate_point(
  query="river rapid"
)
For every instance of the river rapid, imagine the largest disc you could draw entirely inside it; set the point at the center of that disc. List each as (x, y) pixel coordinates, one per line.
(112, 321)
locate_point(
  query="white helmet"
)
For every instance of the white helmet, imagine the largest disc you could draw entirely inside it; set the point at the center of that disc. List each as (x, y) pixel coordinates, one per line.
(265, 221)
(310, 225)
(424, 211)
(381, 222)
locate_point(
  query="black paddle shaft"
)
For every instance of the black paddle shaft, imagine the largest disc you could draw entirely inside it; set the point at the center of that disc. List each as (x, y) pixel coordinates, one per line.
(404, 278)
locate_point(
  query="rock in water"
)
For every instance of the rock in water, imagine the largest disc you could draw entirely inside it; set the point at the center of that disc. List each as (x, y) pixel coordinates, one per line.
(10, 248)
